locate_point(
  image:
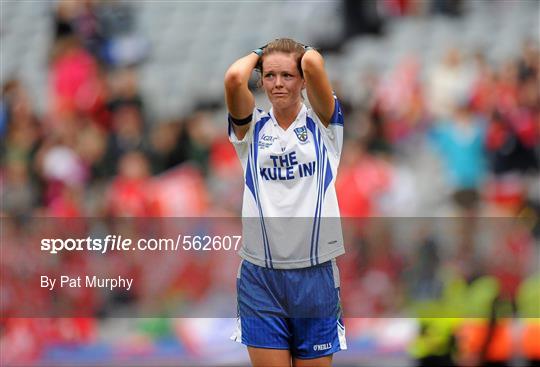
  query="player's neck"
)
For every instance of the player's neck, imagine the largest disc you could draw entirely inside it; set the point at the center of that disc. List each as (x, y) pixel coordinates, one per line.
(286, 116)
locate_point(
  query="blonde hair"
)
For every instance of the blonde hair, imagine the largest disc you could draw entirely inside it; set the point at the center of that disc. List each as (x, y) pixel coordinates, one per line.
(285, 46)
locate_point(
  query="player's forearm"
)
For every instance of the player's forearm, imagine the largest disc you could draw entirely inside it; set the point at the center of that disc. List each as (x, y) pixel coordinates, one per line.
(240, 71)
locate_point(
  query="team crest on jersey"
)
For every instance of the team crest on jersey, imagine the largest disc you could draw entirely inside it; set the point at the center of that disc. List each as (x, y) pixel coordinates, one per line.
(301, 133)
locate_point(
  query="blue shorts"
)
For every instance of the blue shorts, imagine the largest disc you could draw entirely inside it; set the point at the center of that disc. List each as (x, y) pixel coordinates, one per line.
(294, 309)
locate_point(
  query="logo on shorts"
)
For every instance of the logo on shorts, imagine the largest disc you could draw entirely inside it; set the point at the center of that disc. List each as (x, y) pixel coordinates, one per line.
(301, 133)
(320, 347)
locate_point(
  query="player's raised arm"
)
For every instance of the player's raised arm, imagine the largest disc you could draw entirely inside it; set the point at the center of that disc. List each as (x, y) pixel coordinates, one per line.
(240, 100)
(319, 89)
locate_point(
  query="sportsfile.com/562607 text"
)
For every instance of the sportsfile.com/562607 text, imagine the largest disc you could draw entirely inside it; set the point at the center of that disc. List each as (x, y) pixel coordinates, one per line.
(120, 243)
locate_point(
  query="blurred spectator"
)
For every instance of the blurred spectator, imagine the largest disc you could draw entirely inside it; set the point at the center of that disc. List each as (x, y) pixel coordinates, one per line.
(64, 16)
(91, 144)
(88, 28)
(167, 146)
(381, 267)
(399, 104)
(67, 203)
(424, 277)
(180, 192)
(482, 95)
(460, 143)
(62, 173)
(448, 84)
(19, 191)
(512, 150)
(22, 127)
(402, 198)
(124, 90)
(528, 61)
(200, 134)
(129, 194)
(62, 164)
(507, 87)
(224, 179)
(18, 194)
(128, 133)
(509, 259)
(361, 182)
(76, 82)
(77, 19)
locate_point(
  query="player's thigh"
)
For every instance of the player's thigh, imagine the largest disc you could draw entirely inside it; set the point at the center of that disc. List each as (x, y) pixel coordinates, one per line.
(325, 361)
(265, 357)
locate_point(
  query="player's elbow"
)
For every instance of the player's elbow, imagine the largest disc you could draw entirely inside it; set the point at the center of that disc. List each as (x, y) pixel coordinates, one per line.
(312, 62)
(233, 79)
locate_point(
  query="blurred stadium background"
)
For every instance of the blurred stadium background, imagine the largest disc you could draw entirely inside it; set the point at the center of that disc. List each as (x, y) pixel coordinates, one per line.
(115, 109)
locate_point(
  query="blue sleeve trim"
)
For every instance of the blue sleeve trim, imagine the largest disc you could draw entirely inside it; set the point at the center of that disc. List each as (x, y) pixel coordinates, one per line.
(337, 116)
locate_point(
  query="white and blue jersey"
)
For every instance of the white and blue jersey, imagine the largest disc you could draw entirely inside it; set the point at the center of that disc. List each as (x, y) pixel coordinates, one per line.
(290, 210)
